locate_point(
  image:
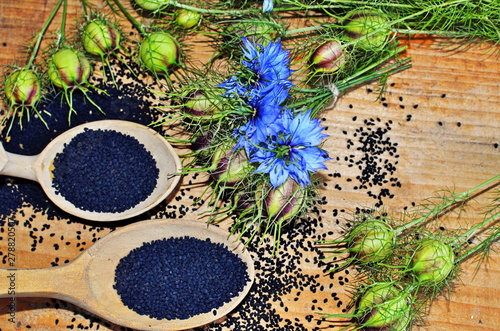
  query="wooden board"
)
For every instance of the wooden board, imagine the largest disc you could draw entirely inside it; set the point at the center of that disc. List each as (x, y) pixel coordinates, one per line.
(444, 116)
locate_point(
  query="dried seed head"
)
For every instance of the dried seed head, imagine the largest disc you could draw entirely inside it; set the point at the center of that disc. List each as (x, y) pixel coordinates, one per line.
(285, 201)
(22, 88)
(159, 52)
(369, 26)
(433, 261)
(187, 18)
(384, 307)
(328, 58)
(101, 37)
(371, 241)
(68, 68)
(152, 4)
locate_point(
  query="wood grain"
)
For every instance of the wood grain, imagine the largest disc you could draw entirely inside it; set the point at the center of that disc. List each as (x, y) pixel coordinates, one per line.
(445, 119)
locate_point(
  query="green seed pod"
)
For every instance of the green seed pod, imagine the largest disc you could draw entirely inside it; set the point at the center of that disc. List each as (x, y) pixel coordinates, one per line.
(22, 88)
(433, 261)
(230, 167)
(101, 37)
(328, 58)
(159, 52)
(152, 4)
(68, 68)
(383, 306)
(202, 104)
(187, 18)
(360, 23)
(285, 201)
(371, 241)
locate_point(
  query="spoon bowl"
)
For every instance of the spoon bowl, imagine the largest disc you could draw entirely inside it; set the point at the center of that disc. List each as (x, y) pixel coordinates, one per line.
(88, 280)
(39, 167)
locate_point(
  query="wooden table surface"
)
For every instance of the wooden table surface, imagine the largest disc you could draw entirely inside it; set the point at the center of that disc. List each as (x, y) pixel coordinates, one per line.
(444, 115)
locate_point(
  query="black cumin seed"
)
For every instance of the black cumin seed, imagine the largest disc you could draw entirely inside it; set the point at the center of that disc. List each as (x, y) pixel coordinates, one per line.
(99, 176)
(179, 277)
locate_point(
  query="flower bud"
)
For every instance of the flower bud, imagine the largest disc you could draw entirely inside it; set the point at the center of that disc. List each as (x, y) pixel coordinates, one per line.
(187, 18)
(244, 200)
(230, 167)
(328, 58)
(383, 306)
(433, 261)
(22, 88)
(101, 37)
(202, 104)
(201, 141)
(159, 52)
(360, 23)
(285, 201)
(152, 4)
(371, 241)
(68, 68)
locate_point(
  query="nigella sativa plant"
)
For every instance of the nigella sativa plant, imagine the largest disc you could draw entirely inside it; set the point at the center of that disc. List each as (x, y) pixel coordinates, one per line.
(266, 70)
(280, 141)
(289, 148)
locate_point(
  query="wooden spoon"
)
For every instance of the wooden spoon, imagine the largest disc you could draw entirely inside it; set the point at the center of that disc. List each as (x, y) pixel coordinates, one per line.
(39, 167)
(88, 280)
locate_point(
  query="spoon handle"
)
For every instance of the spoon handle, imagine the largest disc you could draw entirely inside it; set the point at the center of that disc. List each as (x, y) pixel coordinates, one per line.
(65, 282)
(16, 165)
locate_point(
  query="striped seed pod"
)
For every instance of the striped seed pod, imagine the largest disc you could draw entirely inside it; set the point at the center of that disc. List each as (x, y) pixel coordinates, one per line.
(368, 27)
(101, 37)
(68, 68)
(159, 52)
(22, 88)
(328, 57)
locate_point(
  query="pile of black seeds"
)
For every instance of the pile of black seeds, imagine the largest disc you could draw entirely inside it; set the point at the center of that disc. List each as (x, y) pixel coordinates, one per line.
(178, 278)
(10, 198)
(104, 171)
(129, 100)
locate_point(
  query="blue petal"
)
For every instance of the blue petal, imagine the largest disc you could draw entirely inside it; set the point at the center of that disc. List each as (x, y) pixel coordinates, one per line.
(267, 6)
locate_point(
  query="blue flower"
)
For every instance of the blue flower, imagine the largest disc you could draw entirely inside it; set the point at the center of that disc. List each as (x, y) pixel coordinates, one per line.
(289, 148)
(266, 72)
(270, 63)
(282, 143)
(255, 129)
(267, 6)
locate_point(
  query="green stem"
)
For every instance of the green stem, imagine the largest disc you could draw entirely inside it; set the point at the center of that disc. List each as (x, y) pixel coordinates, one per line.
(212, 11)
(85, 5)
(41, 34)
(62, 36)
(448, 203)
(238, 12)
(351, 81)
(467, 235)
(132, 20)
(479, 247)
(306, 29)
